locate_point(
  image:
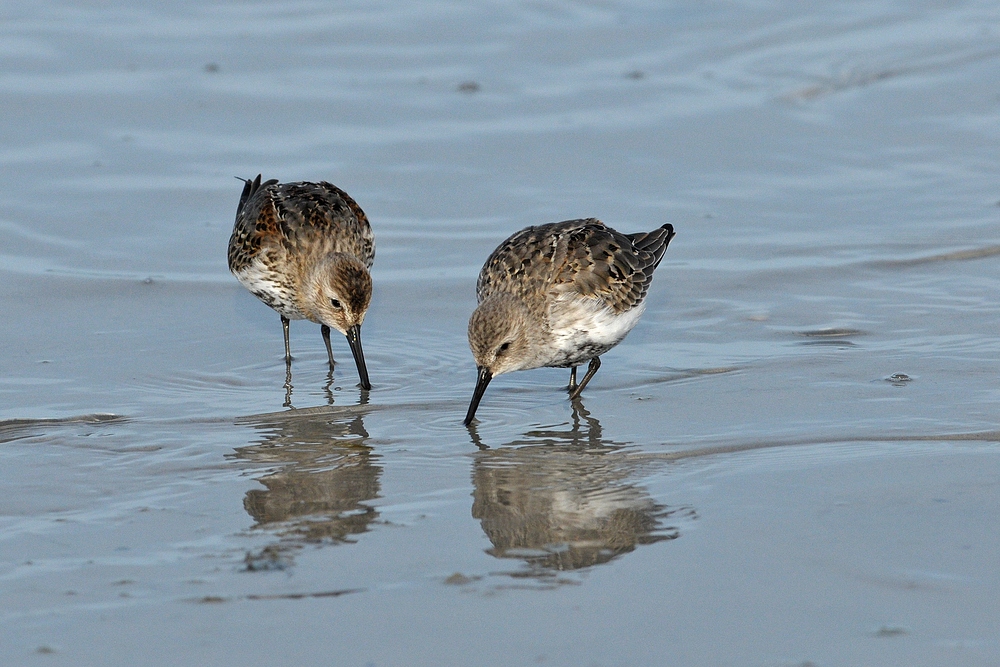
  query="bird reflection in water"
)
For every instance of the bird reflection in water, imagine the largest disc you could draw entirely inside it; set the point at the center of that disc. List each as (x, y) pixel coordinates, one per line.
(328, 389)
(318, 493)
(561, 500)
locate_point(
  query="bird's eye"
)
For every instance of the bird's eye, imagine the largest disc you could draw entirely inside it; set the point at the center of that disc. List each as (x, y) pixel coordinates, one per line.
(335, 303)
(503, 348)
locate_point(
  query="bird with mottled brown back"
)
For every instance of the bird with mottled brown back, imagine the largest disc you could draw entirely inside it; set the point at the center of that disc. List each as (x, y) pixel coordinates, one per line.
(305, 250)
(558, 295)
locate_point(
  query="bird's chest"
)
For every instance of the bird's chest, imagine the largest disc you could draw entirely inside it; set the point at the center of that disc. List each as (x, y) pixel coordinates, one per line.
(582, 329)
(270, 284)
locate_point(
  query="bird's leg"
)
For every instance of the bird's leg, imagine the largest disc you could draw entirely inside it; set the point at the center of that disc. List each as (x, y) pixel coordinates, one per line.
(572, 379)
(288, 364)
(325, 330)
(288, 348)
(595, 363)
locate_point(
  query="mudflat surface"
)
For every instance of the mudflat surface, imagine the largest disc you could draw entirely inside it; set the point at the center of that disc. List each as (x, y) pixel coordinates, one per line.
(792, 460)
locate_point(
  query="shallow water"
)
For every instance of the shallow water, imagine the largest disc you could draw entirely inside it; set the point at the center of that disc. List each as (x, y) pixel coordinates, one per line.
(792, 460)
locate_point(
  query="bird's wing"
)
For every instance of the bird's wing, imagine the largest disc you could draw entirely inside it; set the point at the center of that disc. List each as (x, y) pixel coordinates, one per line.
(250, 230)
(577, 257)
(294, 214)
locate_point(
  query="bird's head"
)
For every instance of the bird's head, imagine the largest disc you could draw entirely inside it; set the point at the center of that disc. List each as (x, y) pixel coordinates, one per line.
(339, 291)
(500, 334)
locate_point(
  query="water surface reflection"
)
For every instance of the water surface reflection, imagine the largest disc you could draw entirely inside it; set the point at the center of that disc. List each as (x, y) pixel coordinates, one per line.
(326, 474)
(565, 498)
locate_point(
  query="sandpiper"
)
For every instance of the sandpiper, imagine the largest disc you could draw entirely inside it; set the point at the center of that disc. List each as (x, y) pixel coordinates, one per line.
(305, 249)
(559, 295)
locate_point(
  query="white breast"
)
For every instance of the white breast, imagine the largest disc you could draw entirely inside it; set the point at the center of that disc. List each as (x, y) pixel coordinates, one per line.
(584, 328)
(266, 286)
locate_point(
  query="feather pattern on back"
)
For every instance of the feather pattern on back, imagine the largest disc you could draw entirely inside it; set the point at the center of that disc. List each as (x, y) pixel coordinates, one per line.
(579, 257)
(305, 219)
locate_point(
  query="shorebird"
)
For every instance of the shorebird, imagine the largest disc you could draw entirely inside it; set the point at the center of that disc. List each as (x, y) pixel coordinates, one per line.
(305, 249)
(558, 295)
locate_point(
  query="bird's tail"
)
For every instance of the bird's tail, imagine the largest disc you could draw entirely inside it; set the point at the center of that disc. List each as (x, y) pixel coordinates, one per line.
(250, 187)
(653, 243)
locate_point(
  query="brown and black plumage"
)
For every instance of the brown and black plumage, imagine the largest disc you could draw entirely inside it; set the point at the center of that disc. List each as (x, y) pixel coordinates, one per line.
(305, 249)
(559, 295)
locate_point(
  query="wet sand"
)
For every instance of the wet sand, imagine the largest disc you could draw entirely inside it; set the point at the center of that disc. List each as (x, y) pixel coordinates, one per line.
(792, 460)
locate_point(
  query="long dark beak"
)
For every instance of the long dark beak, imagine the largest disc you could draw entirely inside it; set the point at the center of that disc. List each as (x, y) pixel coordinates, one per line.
(354, 340)
(484, 380)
